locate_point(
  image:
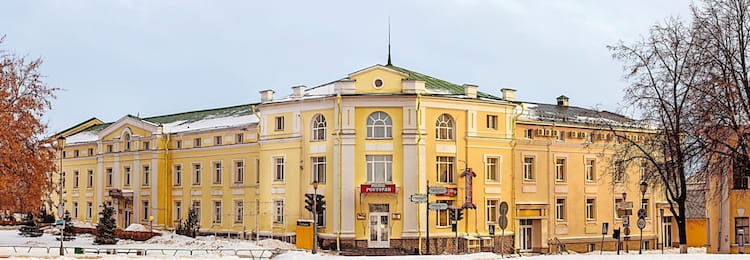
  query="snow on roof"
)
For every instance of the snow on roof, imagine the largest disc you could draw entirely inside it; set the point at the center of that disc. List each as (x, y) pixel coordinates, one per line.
(575, 115)
(209, 123)
(82, 137)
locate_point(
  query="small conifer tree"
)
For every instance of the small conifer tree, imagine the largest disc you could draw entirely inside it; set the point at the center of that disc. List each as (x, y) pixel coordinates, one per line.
(190, 226)
(68, 230)
(106, 227)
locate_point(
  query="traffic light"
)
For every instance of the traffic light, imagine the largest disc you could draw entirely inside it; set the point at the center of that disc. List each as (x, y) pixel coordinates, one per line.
(320, 204)
(309, 202)
(459, 214)
(452, 214)
(616, 233)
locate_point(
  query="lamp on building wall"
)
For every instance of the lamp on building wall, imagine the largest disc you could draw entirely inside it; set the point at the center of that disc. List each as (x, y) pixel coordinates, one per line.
(61, 145)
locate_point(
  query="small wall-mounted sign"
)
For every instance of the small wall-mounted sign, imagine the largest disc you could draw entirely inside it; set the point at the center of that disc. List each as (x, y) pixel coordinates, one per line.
(377, 188)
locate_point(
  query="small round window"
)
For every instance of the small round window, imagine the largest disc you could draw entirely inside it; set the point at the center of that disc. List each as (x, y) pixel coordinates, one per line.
(377, 83)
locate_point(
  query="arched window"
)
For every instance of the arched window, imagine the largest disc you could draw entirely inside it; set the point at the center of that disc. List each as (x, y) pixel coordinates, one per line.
(126, 139)
(444, 127)
(379, 126)
(319, 128)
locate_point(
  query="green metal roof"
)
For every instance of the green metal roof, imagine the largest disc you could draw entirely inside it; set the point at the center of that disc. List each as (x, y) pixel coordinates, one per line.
(437, 84)
(193, 116)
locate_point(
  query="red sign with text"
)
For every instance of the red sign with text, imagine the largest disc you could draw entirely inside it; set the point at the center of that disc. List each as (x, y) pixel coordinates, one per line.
(377, 188)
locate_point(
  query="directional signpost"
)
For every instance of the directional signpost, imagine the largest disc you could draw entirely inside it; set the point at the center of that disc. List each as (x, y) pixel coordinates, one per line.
(418, 198)
(437, 206)
(437, 190)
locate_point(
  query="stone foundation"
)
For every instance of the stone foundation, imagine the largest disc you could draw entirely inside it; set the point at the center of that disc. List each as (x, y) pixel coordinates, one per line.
(438, 245)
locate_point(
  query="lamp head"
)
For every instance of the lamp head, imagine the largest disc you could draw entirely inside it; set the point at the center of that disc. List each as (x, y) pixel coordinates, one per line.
(644, 186)
(61, 141)
(315, 185)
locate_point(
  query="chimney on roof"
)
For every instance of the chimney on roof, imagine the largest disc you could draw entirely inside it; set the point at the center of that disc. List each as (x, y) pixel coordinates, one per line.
(470, 90)
(266, 95)
(563, 101)
(299, 91)
(509, 94)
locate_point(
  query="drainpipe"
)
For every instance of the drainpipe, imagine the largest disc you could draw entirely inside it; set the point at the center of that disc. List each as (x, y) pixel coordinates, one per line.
(419, 179)
(513, 168)
(340, 191)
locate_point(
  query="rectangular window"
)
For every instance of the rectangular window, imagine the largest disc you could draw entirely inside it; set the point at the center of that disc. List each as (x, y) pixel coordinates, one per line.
(197, 208)
(91, 152)
(89, 210)
(197, 142)
(590, 209)
(492, 208)
(318, 169)
(278, 169)
(528, 168)
(146, 145)
(492, 166)
(75, 209)
(379, 168)
(178, 144)
(145, 209)
(560, 169)
(592, 247)
(445, 169)
(239, 172)
(741, 224)
(217, 211)
(146, 175)
(279, 123)
(109, 177)
(177, 175)
(89, 178)
(127, 176)
(560, 209)
(65, 154)
(492, 121)
(240, 138)
(590, 171)
(528, 133)
(197, 174)
(178, 210)
(76, 177)
(76, 153)
(617, 212)
(217, 173)
(443, 219)
(239, 211)
(217, 140)
(644, 205)
(619, 172)
(278, 212)
(109, 148)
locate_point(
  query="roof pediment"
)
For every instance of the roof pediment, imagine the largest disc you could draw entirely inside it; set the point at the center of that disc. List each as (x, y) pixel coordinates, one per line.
(128, 120)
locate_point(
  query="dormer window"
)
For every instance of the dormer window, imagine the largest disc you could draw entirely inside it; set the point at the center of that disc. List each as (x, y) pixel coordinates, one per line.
(126, 139)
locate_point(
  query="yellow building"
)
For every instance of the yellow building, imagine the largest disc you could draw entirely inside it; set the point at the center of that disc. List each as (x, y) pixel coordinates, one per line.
(370, 141)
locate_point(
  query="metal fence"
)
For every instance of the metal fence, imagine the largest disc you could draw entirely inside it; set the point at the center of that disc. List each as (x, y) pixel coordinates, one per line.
(245, 253)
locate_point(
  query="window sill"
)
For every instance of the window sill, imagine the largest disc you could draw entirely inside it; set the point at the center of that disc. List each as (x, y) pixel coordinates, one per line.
(378, 139)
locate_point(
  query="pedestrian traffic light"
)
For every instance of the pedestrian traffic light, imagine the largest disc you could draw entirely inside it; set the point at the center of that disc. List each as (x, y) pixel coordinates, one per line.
(309, 202)
(320, 204)
(459, 214)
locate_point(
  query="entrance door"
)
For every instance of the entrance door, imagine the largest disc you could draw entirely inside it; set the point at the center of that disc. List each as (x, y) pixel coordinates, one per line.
(379, 231)
(525, 238)
(666, 232)
(126, 221)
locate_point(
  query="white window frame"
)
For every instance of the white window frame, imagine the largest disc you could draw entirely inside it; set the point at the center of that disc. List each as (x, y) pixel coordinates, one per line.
(239, 211)
(76, 178)
(379, 121)
(197, 142)
(382, 160)
(127, 175)
(493, 168)
(177, 210)
(445, 169)
(89, 178)
(590, 209)
(278, 211)
(560, 169)
(146, 207)
(217, 172)
(239, 138)
(75, 209)
(278, 123)
(444, 126)
(217, 211)
(528, 168)
(197, 173)
(89, 210)
(492, 211)
(318, 128)
(279, 168)
(218, 140)
(560, 209)
(589, 169)
(196, 204)
(318, 169)
(110, 175)
(146, 175)
(492, 122)
(177, 174)
(239, 171)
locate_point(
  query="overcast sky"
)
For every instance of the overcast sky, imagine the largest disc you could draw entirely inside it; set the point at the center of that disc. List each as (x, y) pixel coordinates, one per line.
(148, 57)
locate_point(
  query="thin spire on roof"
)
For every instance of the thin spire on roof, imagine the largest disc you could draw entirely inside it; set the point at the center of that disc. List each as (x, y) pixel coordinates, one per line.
(389, 41)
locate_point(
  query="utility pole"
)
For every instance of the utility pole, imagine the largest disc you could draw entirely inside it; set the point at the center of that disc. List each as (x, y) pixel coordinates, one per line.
(61, 144)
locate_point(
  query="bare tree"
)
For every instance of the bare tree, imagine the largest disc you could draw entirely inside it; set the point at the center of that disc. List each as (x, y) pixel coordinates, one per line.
(663, 71)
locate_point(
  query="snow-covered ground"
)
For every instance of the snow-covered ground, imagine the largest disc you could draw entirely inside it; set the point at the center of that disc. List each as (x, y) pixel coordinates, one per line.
(175, 247)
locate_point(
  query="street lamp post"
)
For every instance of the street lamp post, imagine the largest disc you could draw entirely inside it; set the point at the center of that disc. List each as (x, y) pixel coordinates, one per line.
(644, 186)
(315, 217)
(61, 144)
